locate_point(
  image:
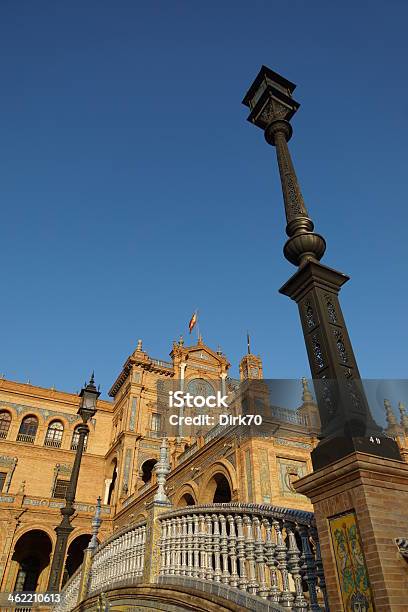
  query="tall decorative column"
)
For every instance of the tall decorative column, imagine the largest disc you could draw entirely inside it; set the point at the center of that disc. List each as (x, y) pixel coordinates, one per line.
(88, 553)
(359, 488)
(346, 421)
(160, 504)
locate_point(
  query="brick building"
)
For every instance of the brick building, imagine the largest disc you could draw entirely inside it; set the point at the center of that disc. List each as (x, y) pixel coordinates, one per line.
(38, 441)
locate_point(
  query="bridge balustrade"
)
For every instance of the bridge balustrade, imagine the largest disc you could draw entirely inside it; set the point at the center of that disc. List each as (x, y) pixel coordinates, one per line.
(266, 552)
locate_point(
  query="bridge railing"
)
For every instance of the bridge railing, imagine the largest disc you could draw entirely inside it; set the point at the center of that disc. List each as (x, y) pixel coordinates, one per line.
(121, 557)
(70, 592)
(264, 550)
(267, 552)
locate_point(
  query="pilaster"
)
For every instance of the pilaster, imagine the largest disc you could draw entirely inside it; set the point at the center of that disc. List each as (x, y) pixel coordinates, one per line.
(151, 566)
(368, 495)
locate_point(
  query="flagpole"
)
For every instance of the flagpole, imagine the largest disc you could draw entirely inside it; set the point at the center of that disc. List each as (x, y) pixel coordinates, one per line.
(198, 327)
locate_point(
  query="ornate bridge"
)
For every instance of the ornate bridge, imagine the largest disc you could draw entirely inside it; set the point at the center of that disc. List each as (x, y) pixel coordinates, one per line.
(217, 557)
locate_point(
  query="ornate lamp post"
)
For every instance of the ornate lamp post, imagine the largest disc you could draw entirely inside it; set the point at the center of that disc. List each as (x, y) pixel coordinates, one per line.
(347, 423)
(87, 409)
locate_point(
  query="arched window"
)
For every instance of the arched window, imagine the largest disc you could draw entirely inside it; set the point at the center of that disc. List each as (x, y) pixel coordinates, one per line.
(75, 439)
(54, 434)
(28, 429)
(5, 420)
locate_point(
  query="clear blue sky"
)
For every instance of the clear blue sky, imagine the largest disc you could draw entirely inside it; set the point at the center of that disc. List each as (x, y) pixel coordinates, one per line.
(134, 190)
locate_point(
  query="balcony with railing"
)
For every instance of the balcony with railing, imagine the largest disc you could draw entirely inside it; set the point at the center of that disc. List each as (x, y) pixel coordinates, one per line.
(162, 364)
(29, 438)
(53, 443)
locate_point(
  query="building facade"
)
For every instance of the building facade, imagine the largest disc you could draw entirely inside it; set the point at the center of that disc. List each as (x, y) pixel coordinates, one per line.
(38, 440)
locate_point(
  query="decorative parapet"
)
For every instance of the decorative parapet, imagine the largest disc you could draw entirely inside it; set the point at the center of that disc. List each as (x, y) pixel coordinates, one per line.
(52, 503)
(187, 453)
(70, 592)
(121, 557)
(250, 547)
(261, 552)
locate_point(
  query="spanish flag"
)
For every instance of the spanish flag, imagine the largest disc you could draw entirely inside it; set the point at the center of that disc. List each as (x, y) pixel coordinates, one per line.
(193, 321)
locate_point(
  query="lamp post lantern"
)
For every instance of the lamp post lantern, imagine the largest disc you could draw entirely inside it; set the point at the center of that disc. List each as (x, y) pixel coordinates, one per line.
(347, 423)
(87, 408)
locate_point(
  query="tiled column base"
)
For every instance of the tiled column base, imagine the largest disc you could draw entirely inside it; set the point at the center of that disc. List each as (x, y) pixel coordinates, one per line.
(376, 489)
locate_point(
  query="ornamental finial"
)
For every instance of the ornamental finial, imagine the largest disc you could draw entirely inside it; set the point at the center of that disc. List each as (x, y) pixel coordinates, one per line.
(389, 414)
(96, 523)
(306, 395)
(404, 416)
(162, 469)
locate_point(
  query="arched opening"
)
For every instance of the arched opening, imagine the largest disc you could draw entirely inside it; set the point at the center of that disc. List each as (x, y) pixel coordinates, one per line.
(147, 470)
(186, 500)
(28, 429)
(75, 439)
(54, 434)
(5, 422)
(32, 552)
(75, 555)
(222, 489)
(113, 481)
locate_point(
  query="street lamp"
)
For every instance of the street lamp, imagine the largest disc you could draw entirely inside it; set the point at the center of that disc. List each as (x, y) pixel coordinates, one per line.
(347, 423)
(87, 409)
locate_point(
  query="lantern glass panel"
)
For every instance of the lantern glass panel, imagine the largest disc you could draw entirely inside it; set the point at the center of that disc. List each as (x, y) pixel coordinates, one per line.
(262, 87)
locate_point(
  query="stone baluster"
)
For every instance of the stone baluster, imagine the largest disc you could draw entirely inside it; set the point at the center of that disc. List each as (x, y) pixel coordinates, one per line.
(196, 546)
(243, 581)
(300, 602)
(123, 546)
(97, 575)
(131, 552)
(203, 549)
(232, 548)
(260, 558)
(225, 576)
(111, 561)
(208, 547)
(126, 547)
(274, 591)
(189, 545)
(163, 548)
(122, 554)
(109, 566)
(309, 568)
(286, 597)
(249, 548)
(168, 547)
(319, 566)
(183, 545)
(178, 546)
(172, 546)
(216, 548)
(117, 557)
(141, 551)
(135, 553)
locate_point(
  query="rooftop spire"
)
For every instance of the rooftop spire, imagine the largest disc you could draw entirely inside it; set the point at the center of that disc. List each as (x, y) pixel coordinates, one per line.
(306, 395)
(248, 343)
(404, 416)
